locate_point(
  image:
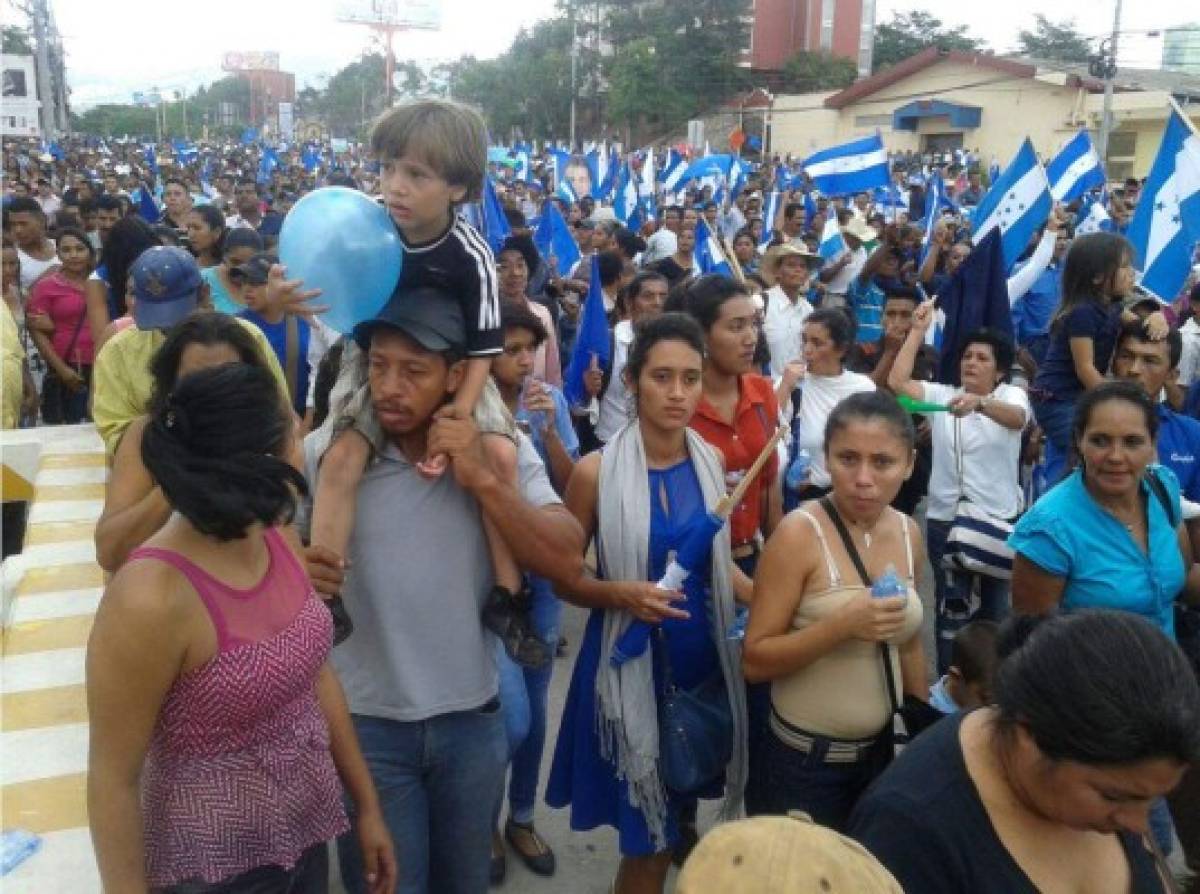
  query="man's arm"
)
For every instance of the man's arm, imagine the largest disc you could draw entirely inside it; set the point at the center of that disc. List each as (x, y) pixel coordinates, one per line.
(545, 539)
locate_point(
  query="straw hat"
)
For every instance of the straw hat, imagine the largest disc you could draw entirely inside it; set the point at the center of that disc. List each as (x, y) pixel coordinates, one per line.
(769, 270)
(779, 855)
(860, 230)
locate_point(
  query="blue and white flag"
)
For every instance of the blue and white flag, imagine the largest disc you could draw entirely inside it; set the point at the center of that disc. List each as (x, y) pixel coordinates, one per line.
(711, 168)
(1166, 224)
(858, 166)
(708, 255)
(935, 200)
(524, 171)
(672, 171)
(267, 165)
(554, 240)
(1093, 218)
(559, 159)
(592, 344)
(566, 192)
(770, 209)
(310, 158)
(1075, 169)
(608, 187)
(810, 208)
(832, 244)
(1019, 202)
(495, 224)
(147, 208)
(625, 203)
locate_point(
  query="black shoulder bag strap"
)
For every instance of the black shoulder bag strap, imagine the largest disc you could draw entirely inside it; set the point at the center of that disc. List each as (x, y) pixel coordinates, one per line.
(885, 650)
(1155, 484)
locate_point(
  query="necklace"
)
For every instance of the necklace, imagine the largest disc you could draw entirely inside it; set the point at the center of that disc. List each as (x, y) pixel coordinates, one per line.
(866, 532)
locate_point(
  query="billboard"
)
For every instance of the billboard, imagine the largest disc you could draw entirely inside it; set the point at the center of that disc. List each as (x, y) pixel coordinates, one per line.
(401, 14)
(251, 61)
(147, 98)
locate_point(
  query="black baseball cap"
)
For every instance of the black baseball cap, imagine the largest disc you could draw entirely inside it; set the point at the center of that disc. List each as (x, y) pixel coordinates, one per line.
(430, 317)
(256, 270)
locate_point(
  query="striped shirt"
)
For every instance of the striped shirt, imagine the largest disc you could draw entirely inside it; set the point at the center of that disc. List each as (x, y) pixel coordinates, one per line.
(460, 262)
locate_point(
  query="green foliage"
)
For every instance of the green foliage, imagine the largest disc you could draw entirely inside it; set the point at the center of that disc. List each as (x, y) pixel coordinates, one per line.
(1056, 41)
(810, 72)
(16, 41)
(910, 32)
(647, 66)
(112, 120)
(525, 90)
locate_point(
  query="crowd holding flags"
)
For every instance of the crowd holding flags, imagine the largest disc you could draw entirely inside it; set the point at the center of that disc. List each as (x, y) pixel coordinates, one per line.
(1017, 203)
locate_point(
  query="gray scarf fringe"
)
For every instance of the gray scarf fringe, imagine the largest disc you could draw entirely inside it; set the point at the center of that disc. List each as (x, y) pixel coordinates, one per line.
(626, 706)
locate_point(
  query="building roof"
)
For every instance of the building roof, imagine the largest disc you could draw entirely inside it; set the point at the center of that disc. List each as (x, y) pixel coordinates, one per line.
(1075, 75)
(927, 58)
(1176, 83)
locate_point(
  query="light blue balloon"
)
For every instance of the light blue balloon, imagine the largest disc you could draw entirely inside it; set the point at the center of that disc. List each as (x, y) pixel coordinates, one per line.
(338, 240)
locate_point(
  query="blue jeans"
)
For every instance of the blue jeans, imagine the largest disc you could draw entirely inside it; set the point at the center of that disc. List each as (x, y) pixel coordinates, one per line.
(793, 780)
(524, 694)
(1056, 418)
(432, 775)
(955, 599)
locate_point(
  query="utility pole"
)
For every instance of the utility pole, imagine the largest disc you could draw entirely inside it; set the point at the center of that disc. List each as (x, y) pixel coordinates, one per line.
(574, 67)
(1109, 65)
(45, 80)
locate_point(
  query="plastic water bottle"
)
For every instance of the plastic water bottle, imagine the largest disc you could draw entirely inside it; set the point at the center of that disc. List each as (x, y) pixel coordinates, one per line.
(536, 418)
(17, 846)
(737, 630)
(889, 584)
(798, 471)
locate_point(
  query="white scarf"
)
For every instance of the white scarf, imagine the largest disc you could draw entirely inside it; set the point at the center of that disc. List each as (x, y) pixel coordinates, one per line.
(626, 706)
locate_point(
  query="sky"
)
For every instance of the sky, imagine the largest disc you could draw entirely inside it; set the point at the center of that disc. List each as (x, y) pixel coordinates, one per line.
(187, 52)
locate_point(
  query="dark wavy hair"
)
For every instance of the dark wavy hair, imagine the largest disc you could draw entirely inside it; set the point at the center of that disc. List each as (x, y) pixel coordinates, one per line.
(1097, 687)
(214, 447)
(202, 328)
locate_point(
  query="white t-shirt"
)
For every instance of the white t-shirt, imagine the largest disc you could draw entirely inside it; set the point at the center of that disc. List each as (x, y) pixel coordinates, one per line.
(1189, 361)
(991, 456)
(819, 395)
(783, 327)
(32, 268)
(841, 283)
(614, 406)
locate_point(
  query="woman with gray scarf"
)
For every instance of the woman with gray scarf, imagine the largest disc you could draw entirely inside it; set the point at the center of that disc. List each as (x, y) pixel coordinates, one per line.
(640, 497)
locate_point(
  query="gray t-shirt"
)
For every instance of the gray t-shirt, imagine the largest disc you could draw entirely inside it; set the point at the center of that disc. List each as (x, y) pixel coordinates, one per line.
(420, 572)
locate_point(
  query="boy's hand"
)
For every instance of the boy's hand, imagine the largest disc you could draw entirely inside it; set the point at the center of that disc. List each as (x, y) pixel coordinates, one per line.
(289, 294)
(459, 441)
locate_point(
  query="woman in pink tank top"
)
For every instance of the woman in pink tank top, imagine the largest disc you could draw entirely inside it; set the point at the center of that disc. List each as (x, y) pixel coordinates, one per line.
(220, 737)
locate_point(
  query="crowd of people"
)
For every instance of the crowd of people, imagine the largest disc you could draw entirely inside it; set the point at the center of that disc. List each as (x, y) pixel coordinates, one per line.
(340, 560)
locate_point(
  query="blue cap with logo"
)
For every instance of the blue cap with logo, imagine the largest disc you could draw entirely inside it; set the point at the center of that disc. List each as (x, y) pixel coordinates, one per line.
(166, 285)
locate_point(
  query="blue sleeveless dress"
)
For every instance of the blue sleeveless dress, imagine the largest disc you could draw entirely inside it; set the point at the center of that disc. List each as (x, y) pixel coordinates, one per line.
(579, 775)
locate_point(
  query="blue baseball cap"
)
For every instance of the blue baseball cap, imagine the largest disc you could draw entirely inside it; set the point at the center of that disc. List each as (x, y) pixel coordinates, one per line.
(166, 285)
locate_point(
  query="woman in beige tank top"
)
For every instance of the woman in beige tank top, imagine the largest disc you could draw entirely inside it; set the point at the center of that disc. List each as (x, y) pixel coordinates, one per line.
(815, 629)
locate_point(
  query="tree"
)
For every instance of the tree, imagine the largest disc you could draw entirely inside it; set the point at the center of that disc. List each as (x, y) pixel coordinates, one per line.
(910, 32)
(810, 72)
(1056, 41)
(114, 120)
(16, 41)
